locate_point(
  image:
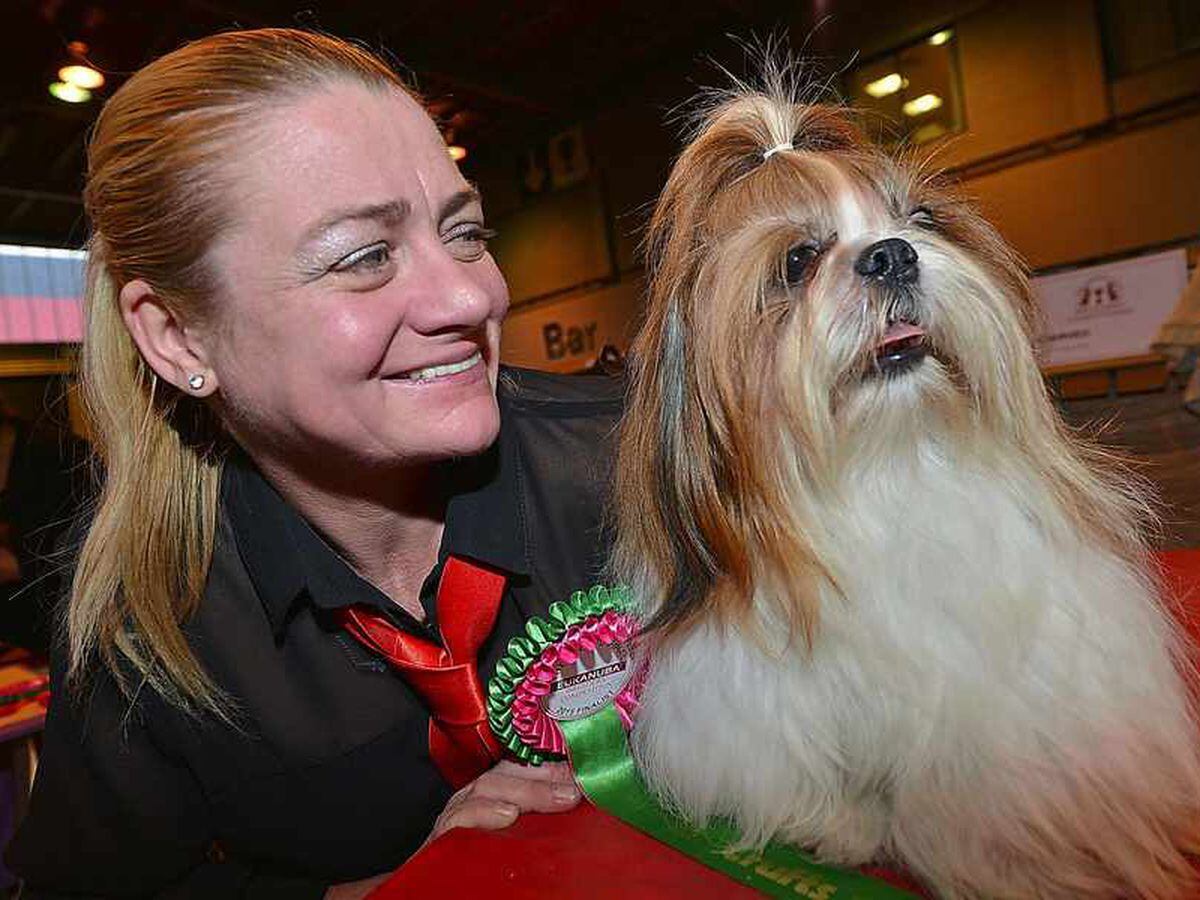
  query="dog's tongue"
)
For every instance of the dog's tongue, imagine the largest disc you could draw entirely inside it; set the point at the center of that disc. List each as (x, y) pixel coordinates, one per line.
(898, 333)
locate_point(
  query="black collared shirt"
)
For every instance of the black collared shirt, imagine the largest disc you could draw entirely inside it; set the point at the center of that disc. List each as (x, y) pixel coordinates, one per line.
(330, 778)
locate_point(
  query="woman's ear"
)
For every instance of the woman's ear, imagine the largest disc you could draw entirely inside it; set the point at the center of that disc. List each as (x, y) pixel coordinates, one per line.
(168, 346)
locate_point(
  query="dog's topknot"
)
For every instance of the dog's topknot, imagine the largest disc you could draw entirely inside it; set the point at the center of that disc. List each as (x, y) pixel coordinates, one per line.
(736, 128)
(730, 133)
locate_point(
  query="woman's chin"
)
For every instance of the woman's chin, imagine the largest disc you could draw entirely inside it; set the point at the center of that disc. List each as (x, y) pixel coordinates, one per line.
(469, 431)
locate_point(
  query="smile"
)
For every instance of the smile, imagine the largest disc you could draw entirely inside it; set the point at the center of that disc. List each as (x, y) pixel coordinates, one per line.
(431, 373)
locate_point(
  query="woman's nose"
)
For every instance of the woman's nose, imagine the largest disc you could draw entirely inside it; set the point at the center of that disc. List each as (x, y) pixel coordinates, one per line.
(447, 293)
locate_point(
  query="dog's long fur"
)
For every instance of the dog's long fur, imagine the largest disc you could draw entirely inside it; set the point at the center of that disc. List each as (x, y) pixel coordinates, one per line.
(904, 617)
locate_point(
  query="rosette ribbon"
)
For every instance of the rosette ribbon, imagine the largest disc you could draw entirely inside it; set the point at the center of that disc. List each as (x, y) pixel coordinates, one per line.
(598, 748)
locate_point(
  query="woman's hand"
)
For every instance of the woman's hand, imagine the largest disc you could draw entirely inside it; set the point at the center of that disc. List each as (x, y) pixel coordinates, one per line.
(499, 795)
(493, 800)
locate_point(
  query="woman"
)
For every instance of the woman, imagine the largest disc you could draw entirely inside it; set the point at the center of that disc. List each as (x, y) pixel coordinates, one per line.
(291, 365)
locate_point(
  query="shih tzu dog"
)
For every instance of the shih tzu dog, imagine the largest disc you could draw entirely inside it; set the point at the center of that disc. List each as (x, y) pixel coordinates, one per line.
(897, 612)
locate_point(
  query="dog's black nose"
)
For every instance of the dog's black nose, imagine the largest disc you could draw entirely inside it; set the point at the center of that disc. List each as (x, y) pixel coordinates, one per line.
(892, 261)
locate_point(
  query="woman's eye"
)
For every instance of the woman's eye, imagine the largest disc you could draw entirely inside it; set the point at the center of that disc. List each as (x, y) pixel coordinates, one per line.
(470, 240)
(365, 260)
(923, 216)
(797, 261)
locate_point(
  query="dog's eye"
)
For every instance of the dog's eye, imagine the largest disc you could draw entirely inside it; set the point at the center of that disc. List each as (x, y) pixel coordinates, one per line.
(798, 259)
(923, 216)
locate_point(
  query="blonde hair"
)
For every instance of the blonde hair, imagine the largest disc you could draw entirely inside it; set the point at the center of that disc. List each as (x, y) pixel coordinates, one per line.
(154, 182)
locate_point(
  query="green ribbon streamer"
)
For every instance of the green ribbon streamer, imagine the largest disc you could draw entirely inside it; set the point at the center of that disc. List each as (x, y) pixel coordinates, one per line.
(606, 771)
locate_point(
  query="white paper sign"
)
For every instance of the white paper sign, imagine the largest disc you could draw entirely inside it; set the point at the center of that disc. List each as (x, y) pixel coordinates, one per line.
(1108, 311)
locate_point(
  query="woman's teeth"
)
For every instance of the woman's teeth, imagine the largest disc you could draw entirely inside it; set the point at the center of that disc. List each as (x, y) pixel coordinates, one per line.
(444, 370)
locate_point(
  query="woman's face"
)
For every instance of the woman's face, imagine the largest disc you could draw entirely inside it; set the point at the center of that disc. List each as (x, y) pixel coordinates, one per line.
(358, 317)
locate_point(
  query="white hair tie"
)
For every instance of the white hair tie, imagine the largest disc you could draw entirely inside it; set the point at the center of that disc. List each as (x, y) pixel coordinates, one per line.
(786, 145)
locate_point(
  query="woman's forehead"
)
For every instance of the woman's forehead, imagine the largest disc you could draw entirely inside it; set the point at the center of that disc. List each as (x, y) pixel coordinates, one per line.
(343, 145)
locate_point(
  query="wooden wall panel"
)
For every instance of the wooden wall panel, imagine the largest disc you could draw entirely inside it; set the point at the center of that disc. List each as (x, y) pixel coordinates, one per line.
(554, 244)
(1031, 70)
(1106, 197)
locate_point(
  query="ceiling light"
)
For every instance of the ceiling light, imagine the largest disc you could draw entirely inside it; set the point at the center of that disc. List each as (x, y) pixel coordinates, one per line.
(923, 104)
(70, 93)
(456, 152)
(941, 37)
(888, 84)
(81, 76)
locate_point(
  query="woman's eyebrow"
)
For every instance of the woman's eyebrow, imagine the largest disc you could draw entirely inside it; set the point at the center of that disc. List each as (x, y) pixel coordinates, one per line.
(457, 201)
(390, 213)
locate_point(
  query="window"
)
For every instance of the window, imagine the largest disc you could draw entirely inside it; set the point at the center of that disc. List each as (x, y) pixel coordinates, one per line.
(915, 90)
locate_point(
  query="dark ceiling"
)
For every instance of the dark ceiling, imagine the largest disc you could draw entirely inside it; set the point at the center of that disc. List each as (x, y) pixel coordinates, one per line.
(497, 72)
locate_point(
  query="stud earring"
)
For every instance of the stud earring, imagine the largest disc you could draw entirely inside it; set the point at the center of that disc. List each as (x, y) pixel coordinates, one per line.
(196, 381)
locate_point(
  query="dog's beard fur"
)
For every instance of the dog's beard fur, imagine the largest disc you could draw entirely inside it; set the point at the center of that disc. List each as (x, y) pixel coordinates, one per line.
(895, 614)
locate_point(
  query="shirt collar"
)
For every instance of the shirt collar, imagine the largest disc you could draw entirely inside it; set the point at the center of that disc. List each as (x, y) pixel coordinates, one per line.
(290, 563)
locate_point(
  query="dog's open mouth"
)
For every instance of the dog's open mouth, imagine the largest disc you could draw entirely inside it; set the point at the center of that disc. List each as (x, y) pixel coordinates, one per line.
(902, 346)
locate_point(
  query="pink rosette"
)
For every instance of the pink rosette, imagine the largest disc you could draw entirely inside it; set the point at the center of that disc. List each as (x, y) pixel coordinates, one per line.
(532, 724)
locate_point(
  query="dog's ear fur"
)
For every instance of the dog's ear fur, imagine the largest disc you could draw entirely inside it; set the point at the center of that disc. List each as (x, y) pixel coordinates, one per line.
(701, 517)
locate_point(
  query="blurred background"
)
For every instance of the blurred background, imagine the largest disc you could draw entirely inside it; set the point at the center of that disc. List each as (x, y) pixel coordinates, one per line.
(1074, 124)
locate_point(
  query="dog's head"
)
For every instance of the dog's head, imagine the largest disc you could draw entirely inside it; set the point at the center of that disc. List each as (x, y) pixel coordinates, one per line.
(806, 279)
(816, 306)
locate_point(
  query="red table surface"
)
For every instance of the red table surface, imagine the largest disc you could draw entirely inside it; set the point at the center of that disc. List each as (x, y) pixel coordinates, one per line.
(589, 855)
